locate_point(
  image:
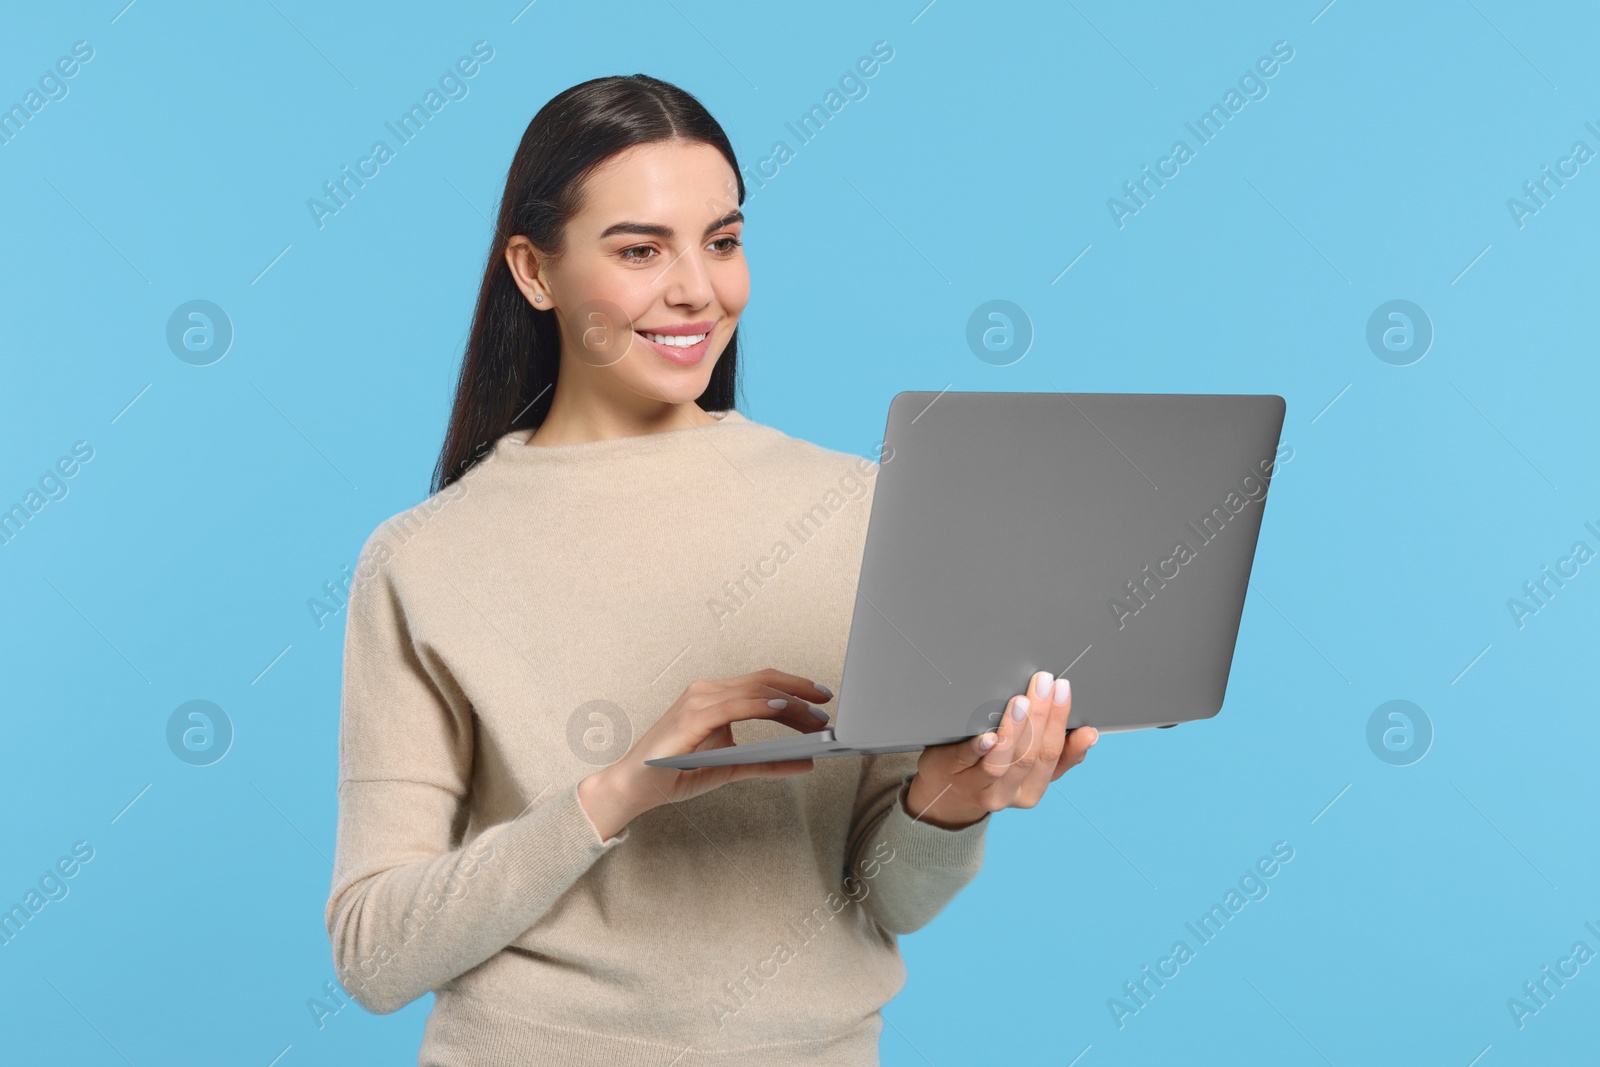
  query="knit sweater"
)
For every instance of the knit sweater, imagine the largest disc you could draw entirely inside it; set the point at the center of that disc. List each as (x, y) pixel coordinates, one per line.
(515, 633)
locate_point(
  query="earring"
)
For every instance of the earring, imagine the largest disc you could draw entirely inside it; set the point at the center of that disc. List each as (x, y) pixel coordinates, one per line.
(537, 298)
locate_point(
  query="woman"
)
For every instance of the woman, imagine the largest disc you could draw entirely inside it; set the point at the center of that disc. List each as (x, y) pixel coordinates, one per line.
(606, 530)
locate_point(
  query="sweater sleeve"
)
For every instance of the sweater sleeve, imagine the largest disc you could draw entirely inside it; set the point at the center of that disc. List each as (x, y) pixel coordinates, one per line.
(913, 868)
(412, 906)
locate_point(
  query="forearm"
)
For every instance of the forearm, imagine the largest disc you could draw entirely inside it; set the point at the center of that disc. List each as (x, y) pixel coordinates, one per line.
(916, 867)
(399, 930)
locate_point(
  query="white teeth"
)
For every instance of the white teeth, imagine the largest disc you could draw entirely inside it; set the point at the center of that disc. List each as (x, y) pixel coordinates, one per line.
(676, 342)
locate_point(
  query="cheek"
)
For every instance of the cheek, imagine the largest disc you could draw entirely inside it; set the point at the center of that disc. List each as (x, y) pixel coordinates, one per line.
(732, 284)
(598, 280)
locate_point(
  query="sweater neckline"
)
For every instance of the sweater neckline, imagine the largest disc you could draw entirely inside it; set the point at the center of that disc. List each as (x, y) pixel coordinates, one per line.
(514, 445)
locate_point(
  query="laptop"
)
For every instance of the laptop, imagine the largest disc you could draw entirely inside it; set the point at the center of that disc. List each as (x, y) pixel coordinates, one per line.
(1106, 537)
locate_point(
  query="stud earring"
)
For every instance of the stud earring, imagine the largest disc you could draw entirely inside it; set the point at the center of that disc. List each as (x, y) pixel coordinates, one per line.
(537, 298)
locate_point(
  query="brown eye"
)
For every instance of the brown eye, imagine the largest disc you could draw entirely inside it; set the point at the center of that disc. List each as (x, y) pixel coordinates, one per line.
(626, 253)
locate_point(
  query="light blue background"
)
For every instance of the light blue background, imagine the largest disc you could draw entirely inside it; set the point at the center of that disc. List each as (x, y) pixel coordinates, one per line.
(1419, 499)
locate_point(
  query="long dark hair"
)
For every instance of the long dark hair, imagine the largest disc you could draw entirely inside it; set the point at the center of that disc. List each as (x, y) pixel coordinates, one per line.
(508, 373)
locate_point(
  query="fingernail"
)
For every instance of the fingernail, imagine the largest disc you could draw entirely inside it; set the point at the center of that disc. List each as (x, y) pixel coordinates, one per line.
(1019, 710)
(777, 702)
(826, 690)
(986, 742)
(1094, 738)
(1063, 690)
(819, 713)
(1044, 681)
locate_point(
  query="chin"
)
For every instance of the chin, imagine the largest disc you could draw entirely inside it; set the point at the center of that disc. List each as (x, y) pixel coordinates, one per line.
(675, 389)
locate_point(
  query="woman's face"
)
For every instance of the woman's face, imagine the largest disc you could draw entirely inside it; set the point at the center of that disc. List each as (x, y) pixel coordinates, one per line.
(653, 261)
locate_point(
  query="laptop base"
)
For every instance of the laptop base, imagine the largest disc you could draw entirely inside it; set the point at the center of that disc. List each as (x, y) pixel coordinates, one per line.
(801, 746)
(819, 745)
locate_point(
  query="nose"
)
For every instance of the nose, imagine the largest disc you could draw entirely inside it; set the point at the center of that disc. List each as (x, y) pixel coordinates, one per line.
(686, 281)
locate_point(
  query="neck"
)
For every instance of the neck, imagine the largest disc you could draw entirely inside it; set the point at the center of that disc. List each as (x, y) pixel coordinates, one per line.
(570, 425)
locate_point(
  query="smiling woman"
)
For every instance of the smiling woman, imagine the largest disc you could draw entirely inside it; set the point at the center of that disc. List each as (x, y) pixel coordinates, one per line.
(620, 232)
(668, 281)
(510, 673)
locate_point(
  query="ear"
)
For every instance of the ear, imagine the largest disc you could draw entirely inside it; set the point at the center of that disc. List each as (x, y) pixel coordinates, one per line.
(526, 263)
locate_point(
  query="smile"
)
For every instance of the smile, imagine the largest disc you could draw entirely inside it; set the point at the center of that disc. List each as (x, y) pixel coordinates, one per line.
(683, 341)
(684, 349)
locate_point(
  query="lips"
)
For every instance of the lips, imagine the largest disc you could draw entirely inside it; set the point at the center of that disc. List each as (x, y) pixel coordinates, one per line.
(683, 355)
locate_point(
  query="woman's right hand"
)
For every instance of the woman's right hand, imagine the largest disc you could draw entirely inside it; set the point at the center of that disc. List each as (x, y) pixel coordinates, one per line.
(701, 719)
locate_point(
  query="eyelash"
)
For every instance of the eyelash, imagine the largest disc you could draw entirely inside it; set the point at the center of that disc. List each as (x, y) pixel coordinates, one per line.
(737, 244)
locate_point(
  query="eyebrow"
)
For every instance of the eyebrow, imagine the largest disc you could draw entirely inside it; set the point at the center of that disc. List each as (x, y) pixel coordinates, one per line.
(653, 229)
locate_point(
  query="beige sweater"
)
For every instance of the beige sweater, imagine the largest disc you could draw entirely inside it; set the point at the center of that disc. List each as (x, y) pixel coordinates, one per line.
(516, 632)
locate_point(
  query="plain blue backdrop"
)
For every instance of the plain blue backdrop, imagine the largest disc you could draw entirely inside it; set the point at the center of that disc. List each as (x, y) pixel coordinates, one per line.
(1380, 163)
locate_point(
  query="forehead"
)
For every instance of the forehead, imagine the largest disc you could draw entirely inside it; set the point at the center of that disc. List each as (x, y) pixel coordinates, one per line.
(671, 182)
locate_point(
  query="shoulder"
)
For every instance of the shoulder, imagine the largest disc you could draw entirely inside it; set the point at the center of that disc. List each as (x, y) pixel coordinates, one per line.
(821, 487)
(409, 537)
(812, 465)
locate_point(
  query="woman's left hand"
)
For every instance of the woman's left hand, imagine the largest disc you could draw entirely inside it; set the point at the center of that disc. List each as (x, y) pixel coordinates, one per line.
(957, 784)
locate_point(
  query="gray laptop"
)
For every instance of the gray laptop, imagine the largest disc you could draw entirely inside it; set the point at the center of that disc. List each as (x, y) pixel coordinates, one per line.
(1106, 537)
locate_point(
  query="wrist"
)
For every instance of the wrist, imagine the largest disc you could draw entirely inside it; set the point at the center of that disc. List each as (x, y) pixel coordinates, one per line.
(606, 802)
(941, 807)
